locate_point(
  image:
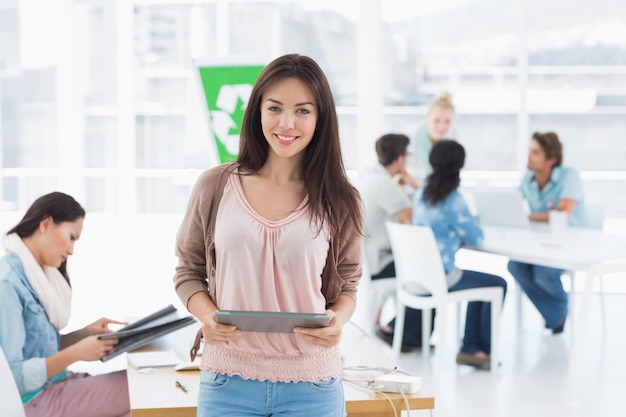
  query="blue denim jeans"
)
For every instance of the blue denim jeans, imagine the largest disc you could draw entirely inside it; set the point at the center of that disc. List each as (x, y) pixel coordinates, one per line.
(478, 318)
(543, 287)
(477, 335)
(222, 395)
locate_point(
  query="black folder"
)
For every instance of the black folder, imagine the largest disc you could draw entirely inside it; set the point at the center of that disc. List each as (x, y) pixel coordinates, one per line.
(145, 330)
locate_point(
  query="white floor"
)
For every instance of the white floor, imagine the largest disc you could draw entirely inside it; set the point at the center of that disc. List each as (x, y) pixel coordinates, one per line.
(533, 379)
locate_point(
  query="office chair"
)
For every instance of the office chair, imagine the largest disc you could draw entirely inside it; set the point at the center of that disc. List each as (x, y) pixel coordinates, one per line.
(380, 290)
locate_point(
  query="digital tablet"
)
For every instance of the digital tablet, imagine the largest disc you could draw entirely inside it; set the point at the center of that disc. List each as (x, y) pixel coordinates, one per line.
(270, 321)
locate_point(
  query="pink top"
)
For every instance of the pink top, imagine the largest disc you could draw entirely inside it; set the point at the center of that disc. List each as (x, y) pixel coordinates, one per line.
(271, 266)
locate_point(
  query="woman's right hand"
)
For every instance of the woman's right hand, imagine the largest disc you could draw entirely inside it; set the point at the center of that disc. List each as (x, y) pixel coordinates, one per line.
(89, 348)
(215, 333)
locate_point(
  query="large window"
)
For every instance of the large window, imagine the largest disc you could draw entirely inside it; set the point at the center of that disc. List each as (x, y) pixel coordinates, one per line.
(103, 109)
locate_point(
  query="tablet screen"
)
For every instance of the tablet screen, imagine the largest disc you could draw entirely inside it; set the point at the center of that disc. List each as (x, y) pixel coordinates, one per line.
(270, 321)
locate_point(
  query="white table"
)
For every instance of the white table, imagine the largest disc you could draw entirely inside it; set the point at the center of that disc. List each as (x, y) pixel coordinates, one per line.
(574, 249)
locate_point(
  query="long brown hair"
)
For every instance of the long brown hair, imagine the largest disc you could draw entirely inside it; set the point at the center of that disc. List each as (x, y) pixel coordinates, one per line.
(331, 196)
(60, 207)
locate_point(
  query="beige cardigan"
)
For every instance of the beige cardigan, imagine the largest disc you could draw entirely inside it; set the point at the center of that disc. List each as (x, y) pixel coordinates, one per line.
(195, 246)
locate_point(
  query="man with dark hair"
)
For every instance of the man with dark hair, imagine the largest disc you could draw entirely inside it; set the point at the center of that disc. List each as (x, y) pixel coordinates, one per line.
(548, 186)
(385, 199)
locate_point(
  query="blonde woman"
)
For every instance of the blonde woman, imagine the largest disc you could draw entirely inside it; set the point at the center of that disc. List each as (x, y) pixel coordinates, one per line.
(439, 119)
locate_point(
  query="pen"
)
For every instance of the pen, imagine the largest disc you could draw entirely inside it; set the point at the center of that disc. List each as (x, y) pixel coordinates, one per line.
(181, 386)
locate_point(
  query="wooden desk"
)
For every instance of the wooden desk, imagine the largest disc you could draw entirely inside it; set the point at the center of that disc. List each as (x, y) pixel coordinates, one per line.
(156, 395)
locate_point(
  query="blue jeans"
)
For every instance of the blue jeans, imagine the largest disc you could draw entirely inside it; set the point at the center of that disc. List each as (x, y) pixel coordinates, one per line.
(543, 287)
(478, 318)
(222, 395)
(389, 271)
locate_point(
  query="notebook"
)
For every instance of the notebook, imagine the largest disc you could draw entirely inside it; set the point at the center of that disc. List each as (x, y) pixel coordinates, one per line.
(501, 207)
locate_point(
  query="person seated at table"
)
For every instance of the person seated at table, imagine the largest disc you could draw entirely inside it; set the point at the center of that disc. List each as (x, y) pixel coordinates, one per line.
(35, 295)
(385, 199)
(439, 205)
(547, 185)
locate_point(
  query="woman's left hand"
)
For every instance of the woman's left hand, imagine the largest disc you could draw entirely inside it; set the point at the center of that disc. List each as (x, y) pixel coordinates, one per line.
(101, 326)
(328, 336)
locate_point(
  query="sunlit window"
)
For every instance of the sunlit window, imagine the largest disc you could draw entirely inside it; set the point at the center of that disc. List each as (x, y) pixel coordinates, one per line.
(108, 109)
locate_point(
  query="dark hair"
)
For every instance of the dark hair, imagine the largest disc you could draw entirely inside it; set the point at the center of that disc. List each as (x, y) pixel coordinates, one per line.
(551, 145)
(331, 196)
(447, 157)
(59, 206)
(390, 146)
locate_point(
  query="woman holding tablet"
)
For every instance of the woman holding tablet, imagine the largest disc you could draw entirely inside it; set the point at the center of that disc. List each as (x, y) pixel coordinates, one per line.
(278, 230)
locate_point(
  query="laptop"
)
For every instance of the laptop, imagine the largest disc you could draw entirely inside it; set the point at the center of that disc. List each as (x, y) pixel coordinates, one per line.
(501, 207)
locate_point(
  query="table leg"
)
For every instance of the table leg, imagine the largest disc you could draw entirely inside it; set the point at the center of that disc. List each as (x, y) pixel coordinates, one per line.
(580, 329)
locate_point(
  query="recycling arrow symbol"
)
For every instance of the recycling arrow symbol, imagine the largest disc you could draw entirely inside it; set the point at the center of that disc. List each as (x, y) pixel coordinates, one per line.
(229, 97)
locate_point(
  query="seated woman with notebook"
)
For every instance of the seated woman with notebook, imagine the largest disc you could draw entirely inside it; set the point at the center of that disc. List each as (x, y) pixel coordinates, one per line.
(35, 297)
(441, 206)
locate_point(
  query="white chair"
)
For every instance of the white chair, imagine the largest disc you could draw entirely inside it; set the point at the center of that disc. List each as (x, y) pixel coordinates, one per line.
(418, 261)
(9, 395)
(380, 290)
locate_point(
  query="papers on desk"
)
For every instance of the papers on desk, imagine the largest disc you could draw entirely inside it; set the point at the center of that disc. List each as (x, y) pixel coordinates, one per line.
(153, 359)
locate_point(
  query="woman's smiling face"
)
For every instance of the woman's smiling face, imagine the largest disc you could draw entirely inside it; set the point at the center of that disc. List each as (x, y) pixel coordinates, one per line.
(288, 117)
(439, 121)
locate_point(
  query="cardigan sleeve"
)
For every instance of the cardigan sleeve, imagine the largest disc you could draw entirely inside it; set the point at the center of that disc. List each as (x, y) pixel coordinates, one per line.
(194, 240)
(344, 264)
(350, 262)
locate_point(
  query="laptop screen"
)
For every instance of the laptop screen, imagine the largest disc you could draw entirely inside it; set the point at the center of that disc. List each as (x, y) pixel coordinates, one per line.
(501, 207)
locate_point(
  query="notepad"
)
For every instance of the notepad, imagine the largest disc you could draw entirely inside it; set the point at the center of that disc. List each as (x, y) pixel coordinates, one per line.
(154, 359)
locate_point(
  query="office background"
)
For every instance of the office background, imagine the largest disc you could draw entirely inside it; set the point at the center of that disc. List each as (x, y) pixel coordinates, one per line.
(99, 99)
(98, 95)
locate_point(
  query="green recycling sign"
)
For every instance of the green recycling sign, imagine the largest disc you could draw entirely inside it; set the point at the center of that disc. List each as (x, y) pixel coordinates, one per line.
(227, 91)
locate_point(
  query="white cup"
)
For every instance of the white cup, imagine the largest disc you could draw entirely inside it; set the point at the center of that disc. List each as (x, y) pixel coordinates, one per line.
(558, 220)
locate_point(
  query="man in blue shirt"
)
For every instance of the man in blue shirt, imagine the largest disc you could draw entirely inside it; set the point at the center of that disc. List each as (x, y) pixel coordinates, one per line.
(548, 186)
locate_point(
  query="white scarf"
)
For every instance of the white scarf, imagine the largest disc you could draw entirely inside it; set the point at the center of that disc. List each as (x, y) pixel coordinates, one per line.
(54, 292)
